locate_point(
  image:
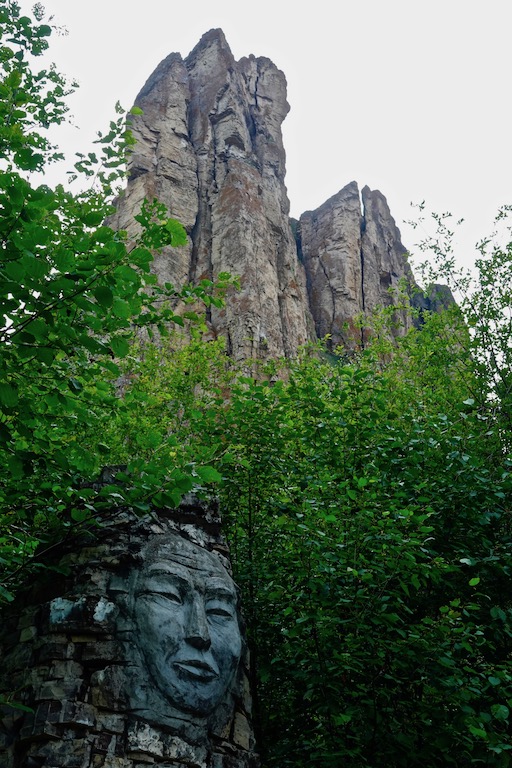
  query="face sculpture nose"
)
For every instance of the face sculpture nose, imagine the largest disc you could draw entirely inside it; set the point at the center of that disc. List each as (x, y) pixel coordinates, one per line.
(198, 635)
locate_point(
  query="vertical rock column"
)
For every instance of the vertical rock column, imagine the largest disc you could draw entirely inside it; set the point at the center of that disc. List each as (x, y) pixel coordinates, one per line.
(388, 278)
(330, 246)
(355, 262)
(209, 146)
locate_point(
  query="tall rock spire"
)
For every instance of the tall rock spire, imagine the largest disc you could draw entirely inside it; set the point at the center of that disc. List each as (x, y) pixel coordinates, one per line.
(209, 146)
(354, 260)
(330, 246)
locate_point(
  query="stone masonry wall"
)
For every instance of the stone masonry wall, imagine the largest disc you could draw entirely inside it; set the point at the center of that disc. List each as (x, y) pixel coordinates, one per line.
(105, 685)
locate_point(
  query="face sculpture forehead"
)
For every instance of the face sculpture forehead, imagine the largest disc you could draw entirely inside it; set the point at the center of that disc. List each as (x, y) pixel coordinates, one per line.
(176, 555)
(185, 552)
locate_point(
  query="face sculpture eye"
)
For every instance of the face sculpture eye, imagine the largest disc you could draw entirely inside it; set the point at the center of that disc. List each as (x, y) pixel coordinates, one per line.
(185, 609)
(163, 591)
(219, 608)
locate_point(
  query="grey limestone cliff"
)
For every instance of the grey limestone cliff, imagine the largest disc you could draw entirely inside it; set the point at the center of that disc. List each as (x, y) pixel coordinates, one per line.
(354, 261)
(209, 146)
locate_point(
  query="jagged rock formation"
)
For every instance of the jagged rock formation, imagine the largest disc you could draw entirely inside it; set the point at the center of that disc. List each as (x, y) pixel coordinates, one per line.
(354, 261)
(439, 298)
(209, 146)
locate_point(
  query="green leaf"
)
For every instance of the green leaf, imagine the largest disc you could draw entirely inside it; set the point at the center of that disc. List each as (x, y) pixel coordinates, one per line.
(45, 355)
(94, 218)
(121, 308)
(8, 395)
(168, 498)
(15, 270)
(177, 231)
(120, 346)
(478, 732)
(474, 582)
(38, 329)
(104, 296)
(500, 711)
(8, 597)
(208, 474)
(185, 484)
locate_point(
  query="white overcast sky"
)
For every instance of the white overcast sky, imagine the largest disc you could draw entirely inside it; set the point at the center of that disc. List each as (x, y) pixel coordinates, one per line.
(408, 96)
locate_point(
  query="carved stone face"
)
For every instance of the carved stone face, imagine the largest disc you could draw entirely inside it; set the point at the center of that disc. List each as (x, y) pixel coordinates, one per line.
(187, 624)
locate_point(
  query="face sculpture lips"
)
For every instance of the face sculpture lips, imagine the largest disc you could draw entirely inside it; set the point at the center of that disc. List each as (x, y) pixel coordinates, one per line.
(196, 669)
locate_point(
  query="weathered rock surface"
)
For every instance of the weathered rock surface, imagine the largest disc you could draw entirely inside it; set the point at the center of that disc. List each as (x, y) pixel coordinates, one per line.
(209, 146)
(384, 257)
(355, 262)
(439, 298)
(330, 246)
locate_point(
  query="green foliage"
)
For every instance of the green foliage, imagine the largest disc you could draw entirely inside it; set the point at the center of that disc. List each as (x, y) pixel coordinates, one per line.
(372, 536)
(484, 295)
(74, 293)
(366, 498)
(170, 393)
(29, 101)
(368, 510)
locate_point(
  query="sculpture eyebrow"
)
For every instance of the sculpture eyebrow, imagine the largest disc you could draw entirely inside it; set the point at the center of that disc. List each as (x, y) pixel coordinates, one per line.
(167, 569)
(216, 587)
(169, 574)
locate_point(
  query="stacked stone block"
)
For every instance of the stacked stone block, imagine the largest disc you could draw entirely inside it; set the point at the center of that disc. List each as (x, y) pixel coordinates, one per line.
(68, 670)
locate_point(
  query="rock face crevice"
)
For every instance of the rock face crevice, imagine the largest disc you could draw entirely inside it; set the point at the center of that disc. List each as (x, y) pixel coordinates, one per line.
(209, 146)
(354, 261)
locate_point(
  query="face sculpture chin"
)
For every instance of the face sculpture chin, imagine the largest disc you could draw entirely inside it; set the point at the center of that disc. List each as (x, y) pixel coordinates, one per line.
(187, 624)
